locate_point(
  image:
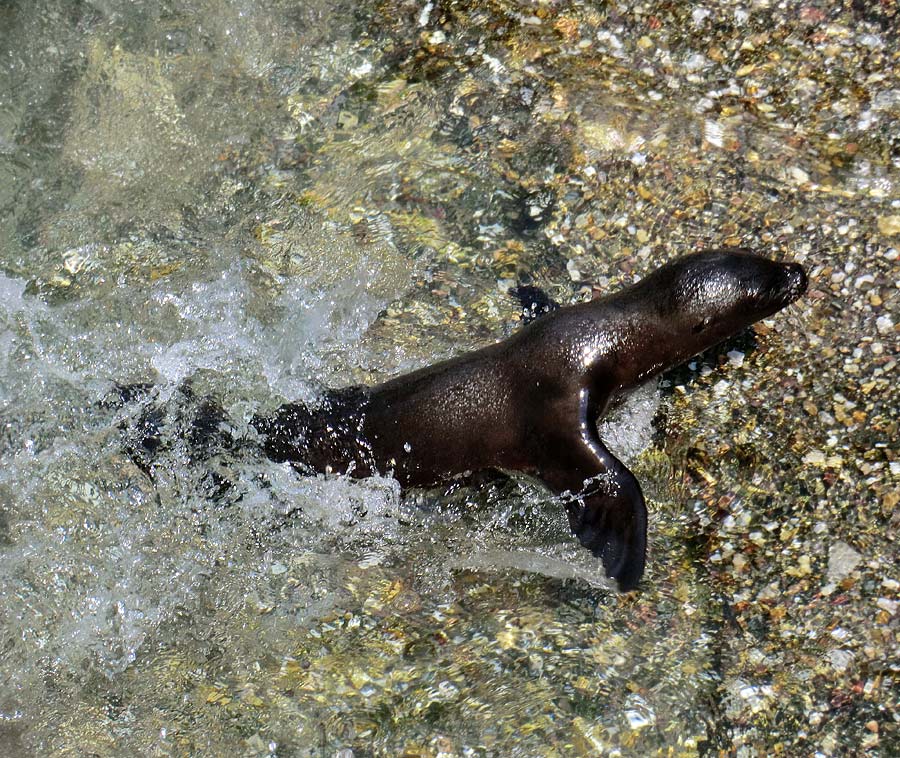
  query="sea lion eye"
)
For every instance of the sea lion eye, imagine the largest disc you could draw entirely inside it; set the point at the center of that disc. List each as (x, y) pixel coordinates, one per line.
(701, 326)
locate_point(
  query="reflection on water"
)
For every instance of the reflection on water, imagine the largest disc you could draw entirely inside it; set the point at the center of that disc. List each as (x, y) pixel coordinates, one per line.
(269, 198)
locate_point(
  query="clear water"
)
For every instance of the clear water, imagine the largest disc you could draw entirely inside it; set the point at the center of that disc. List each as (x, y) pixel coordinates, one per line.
(253, 196)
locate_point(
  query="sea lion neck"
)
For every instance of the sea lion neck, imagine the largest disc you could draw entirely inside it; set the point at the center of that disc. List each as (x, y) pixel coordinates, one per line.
(687, 306)
(640, 342)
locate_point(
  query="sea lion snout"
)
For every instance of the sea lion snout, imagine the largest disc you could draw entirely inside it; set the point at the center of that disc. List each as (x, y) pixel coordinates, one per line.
(786, 285)
(797, 281)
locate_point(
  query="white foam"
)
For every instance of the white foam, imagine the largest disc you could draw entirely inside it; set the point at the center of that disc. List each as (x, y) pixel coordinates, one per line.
(101, 557)
(628, 429)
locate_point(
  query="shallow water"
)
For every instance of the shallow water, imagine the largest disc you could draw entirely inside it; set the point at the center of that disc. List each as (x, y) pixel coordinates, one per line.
(265, 199)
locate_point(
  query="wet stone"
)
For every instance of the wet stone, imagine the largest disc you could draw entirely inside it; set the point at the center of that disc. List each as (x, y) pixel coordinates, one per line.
(842, 560)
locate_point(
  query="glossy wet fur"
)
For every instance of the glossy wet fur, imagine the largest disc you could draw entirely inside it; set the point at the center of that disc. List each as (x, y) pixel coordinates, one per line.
(531, 402)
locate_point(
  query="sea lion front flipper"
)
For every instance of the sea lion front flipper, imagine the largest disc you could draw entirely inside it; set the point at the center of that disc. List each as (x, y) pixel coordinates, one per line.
(609, 517)
(606, 506)
(533, 301)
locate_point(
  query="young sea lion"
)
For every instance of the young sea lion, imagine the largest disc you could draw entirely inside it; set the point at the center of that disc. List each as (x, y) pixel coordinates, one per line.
(531, 402)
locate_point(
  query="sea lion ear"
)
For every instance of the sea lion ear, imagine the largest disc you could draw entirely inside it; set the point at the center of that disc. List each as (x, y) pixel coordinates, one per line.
(533, 301)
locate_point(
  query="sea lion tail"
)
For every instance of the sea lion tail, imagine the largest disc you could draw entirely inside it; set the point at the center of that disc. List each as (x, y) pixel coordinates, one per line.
(284, 430)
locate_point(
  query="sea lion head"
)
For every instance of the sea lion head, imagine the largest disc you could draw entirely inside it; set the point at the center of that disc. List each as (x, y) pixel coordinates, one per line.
(709, 296)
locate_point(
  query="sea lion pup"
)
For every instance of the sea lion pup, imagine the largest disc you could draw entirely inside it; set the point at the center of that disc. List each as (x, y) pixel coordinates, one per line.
(531, 402)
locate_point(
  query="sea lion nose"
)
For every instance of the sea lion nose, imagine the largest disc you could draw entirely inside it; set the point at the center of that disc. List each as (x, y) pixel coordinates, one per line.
(797, 280)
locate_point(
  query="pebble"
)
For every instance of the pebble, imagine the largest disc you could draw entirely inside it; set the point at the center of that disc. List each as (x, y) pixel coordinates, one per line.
(721, 387)
(840, 659)
(814, 457)
(842, 559)
(884, 324)
(889, 225)
(798, 175)
(735, 358)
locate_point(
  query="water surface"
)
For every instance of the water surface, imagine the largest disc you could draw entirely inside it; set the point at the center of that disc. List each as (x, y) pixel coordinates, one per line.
(265, 199)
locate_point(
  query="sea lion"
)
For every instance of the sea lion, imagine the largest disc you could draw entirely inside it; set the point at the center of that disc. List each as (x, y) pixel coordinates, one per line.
(531, 402)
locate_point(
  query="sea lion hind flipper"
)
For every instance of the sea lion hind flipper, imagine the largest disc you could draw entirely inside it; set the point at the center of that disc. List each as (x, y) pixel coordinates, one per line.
(120, 395)
(142, 438)
(209, 429)
(533, 301)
